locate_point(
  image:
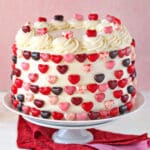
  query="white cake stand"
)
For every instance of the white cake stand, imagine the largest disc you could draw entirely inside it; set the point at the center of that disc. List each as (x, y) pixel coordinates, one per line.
(72, 131)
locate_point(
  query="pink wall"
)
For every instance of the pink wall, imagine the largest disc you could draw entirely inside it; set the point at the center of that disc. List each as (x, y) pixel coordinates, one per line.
(134, 13)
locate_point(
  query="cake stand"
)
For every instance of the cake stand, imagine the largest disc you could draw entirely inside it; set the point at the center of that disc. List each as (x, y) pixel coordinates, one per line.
(72, 131)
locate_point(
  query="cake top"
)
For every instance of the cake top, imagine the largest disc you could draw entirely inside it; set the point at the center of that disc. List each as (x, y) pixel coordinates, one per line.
(74, 36)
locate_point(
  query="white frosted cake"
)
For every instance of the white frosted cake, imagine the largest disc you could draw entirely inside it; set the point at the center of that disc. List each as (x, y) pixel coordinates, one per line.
(74, 69)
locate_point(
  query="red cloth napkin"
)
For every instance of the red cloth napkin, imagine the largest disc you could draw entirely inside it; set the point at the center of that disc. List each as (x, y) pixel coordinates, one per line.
(35, 137)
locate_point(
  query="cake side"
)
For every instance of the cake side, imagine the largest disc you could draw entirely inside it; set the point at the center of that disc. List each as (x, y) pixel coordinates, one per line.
(73, 80)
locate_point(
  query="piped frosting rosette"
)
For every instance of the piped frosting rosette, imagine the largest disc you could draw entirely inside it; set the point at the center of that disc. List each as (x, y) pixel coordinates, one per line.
(23, 36)
(64, 45)
(94, 43)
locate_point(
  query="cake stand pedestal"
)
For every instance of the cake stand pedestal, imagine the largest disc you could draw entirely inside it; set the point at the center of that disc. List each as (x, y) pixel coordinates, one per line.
(80, 136)
(72, 132)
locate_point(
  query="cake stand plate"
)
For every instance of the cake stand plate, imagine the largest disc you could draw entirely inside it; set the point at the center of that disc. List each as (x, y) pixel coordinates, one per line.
(72, 131)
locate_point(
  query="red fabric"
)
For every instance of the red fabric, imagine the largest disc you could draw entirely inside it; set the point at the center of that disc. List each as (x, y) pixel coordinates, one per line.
(35, 137)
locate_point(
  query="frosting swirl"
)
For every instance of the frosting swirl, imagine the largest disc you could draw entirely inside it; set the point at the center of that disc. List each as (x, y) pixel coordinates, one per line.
(23, 39)
(64, 45)
(76, 23)
(40, 42)
(57, 25)
(94, 43)
(91, 24)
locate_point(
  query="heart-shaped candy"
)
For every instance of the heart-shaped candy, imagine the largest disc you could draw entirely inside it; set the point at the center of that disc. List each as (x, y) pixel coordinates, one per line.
(81, 116)
(69, 58)
(33, 77)
(70, 116)
(103, 87)
(110, 64)
(87, 106)
(70, 89)
(99, 97)
(52, 79)
(64, 106)
(25, 66)
(53, 99)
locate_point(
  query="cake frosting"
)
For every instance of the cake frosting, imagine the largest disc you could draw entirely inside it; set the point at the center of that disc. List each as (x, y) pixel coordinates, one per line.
(74, 69)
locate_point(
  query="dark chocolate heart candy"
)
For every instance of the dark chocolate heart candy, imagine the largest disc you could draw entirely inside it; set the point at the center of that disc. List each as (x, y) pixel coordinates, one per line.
(99, 77)
(57, 90)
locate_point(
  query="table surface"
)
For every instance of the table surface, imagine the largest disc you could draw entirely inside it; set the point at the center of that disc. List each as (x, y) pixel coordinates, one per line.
(137, 123)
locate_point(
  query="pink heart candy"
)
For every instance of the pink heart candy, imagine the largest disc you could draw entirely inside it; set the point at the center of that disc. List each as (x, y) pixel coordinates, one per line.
(70, 116)
(108, 104)
(29, 97)
(25, 66)
(45, 57)
(110, 64)
(70, 89)
(81, 116)
(64, 106)
(26, 86)
(99, 97)
(78, 17)
(103, 87)
(53, 99)
(87, 67)
(108, 29)
(33, 77)
(52, 79)
(69, 58)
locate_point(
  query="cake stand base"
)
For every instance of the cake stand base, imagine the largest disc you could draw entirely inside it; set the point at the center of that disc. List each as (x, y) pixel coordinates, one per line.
(75, 136)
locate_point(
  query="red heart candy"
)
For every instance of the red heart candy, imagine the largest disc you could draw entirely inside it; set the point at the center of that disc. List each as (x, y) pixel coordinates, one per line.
(93, 115)
(92, 57)
(18, 83)
(57, 115)
(118, 93)
(122, 83)
(14, 89)
(34, 88)
(43, 68)
(118, 74)
(74, 78)
(14, 49)
(91, 33)
(35, 112)
(39, 103)
(56, 58)
(45, 90)
(80, 57)
(87, 106)
(42, 19)
(76, 100)
(112, 84)
(93, 16)
(92, 87)
(62, 69)
(114, 112)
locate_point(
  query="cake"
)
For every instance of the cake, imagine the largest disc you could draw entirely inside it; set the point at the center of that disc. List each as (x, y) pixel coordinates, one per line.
(77, 69)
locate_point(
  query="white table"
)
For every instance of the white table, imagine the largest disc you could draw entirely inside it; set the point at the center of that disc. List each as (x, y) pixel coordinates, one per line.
(137, 123)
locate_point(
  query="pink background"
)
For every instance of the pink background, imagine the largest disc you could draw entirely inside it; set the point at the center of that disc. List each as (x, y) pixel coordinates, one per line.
(134, 13)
